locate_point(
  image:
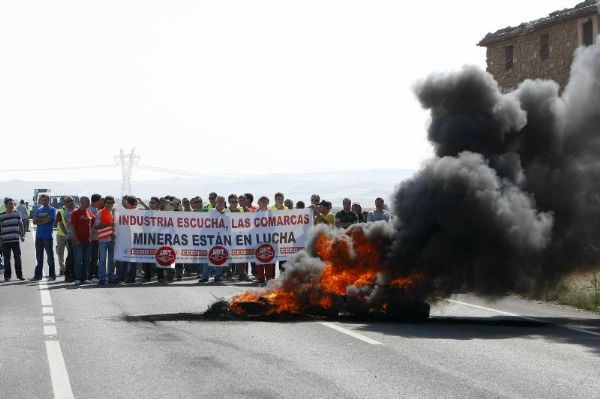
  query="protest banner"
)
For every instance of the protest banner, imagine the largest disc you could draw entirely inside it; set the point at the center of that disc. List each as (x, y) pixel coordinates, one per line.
(210, 237)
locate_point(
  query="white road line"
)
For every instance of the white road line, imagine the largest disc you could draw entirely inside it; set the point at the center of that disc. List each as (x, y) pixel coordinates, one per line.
(351, 333)
(50, 330)
(61, 385)
(581, 330)
(58, 371)
(45, 295)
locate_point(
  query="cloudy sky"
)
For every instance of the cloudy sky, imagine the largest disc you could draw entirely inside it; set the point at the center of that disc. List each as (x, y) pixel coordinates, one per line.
(235, 87)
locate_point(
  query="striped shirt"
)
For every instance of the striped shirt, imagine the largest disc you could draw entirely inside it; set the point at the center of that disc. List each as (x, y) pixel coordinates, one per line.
(106, 217)
(9, 226)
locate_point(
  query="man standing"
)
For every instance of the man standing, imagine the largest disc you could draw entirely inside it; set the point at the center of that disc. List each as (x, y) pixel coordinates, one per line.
(81, 221)
(12, 230)
(314, 200)
(218, 211)
(196, 206)
(61, 236)
(289, 203)
(149, 267)
(186, 205)
(325, 216)
(153, 204)
(22, 209)
(242, 202)
(212, 201)
(314, 204)
(264, 271)
(128, 271)
(106, 243)
(97, 205)
(29, 216)
(249, 199)
(44, 220)
(379, 213)
(278, 206)
(346, 216)
(63, 232)
(247, 206)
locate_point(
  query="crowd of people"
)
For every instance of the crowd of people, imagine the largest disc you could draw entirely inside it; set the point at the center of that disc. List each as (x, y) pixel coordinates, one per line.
(85, 236)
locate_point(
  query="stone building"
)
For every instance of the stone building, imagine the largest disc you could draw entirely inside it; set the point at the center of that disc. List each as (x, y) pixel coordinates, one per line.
(543, 48)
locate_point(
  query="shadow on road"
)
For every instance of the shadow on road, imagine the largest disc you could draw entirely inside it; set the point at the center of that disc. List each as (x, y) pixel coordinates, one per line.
(185, 282)
(16, 282)
(556, 329)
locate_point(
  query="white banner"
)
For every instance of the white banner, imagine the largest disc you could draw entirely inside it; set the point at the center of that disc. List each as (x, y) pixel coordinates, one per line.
(210, 237)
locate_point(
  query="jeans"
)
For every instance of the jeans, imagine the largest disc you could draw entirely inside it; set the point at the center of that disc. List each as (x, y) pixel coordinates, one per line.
(127, 271)
(265, 272)
(70, 262)
(41, 245)
(106, 266)
(206, 269)
(15, 248)
(93, 270)
(82, 260)
(179, 270)
(61, 244)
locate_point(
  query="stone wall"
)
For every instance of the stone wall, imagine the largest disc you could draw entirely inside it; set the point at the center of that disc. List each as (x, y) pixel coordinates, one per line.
(564, 38)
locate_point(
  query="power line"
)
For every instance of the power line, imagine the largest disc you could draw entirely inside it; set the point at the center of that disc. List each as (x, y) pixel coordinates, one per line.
(58, 168)
(170, 171)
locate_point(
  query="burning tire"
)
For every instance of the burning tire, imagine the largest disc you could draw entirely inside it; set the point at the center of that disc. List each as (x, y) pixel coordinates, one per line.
(408, 310)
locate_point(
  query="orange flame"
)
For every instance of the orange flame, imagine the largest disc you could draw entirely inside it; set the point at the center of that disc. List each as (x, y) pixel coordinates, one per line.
(349, 260)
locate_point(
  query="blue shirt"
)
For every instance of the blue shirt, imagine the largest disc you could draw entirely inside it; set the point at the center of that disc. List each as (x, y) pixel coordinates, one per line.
(376, 215)
(22, 211)
(45, 230)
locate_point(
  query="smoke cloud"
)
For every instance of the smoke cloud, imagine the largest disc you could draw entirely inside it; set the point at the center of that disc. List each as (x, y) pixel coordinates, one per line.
(513, 191)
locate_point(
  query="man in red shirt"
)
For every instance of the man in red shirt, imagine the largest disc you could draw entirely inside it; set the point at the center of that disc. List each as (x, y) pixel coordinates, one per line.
(246, 202)
(82, 220)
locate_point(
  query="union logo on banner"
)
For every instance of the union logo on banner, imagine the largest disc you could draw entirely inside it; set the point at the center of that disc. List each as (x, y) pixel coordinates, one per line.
(165, 256)
(218, 255)
(265, 253)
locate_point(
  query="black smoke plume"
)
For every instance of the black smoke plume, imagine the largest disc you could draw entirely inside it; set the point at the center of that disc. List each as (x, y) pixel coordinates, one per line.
(513, 194)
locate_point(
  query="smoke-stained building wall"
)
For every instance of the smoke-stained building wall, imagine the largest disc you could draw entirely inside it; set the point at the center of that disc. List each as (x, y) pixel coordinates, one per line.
(543, 48)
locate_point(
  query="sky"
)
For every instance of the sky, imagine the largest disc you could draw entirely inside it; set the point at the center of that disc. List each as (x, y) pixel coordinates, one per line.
(228, 87)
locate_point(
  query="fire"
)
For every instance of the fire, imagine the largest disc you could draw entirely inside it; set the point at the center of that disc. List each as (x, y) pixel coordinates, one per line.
(410, 281)
(349, 261)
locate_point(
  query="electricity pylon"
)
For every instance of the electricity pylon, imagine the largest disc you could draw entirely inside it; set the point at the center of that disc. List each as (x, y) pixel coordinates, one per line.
(126, 161)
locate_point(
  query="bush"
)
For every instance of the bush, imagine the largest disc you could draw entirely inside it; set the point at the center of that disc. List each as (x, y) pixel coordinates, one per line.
(581, 291)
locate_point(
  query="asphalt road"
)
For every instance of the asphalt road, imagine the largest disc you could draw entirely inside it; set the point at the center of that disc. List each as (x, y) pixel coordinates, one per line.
(469, 348)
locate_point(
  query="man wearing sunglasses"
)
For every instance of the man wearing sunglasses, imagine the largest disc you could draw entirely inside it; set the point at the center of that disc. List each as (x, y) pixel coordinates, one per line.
(212, 201)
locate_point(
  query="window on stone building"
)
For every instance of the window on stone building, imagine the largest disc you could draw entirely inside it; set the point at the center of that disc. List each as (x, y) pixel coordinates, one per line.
(544, 47)
(508, 58)
(587, 33)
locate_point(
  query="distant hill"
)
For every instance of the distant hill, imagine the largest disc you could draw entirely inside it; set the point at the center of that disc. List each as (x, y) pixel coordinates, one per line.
(362, 186)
